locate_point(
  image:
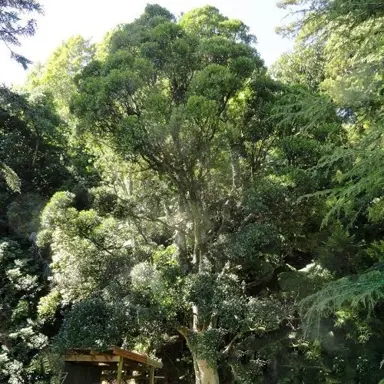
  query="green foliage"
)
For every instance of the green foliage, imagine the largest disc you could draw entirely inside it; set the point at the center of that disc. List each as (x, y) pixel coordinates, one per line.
(305, 67)
(364, 290)
(11, 178)
(30, 137)
(182, 112)
(205, 345)
(317, 15)
(303, 282)
(88, 250)
(348, 35)
(22, 283)
(89, 325)
(195, 160)
(48, 306)
(23, 214)
(32, 147)
(13, 25)
(193, 200)
(56, 76)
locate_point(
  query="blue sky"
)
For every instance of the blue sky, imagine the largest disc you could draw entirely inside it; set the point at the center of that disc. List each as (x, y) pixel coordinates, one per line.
(93, 18)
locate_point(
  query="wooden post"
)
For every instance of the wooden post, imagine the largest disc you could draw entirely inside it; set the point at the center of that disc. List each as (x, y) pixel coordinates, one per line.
(120, 370)
(151, 375)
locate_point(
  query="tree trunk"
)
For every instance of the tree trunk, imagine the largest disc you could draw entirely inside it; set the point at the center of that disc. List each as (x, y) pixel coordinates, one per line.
(204, 373)
(181, 239)
(271, 375)
(235, 163)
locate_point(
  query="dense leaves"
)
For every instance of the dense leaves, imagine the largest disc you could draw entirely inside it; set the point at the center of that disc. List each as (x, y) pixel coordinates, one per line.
(34, 147)
(164, 193)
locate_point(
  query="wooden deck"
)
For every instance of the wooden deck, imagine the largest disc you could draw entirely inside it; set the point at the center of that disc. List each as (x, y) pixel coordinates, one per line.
(112, 359)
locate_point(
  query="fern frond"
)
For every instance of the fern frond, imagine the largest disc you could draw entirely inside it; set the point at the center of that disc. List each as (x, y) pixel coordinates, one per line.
(362, 291)
(302, 107)
(358, 173)
(10, 177)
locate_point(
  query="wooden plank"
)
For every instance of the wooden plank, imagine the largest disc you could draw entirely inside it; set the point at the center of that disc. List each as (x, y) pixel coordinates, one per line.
(89, 355)
(120, 370)
(130, 355)
(142, 377)
(134, 356)
(134, 377)
(152, 375)
(128, 364)
(79, 351)
(154, 363)
(92, 358)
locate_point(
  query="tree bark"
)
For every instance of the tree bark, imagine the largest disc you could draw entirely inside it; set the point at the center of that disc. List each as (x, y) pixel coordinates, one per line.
(181, 240)
(204, 373)
(235, 169)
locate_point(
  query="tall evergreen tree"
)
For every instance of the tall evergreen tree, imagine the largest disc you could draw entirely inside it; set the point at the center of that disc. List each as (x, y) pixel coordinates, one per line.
(13, 26)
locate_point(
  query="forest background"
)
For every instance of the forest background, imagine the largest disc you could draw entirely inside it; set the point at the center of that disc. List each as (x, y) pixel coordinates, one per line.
(162, 190)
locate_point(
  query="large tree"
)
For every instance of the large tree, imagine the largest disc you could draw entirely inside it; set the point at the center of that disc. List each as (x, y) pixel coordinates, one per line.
(165, 97)
(55, 76)
(197, 201)
(204, 200)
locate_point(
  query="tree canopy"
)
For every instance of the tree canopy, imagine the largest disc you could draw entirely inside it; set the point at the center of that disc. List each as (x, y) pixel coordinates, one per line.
(172, 195)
